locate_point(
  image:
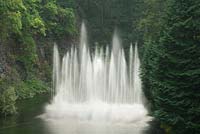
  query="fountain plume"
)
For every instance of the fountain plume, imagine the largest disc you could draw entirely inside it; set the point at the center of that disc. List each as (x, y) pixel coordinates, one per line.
(97, 87)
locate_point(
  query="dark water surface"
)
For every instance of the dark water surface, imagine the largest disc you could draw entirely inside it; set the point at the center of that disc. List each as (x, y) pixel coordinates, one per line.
(28, 122)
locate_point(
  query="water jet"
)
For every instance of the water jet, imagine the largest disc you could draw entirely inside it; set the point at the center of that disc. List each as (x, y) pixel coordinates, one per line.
(97, 87)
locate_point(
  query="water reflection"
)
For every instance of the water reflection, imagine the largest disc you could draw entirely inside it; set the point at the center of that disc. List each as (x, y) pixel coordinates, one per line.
(72, 126)
(39, 126)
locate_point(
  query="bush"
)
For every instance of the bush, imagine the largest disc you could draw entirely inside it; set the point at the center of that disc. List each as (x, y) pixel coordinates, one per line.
(7, 101)
(29, 88)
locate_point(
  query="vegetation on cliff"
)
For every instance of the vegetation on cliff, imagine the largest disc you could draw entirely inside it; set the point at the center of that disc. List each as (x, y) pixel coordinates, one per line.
(28, 29)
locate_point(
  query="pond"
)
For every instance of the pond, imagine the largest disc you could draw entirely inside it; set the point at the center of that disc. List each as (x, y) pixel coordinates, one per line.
(28, 122)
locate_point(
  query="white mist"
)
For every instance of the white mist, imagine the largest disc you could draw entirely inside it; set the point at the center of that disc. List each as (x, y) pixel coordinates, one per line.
(101, 87)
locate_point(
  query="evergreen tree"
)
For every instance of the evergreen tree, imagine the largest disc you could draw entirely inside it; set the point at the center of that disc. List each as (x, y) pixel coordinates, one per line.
(175, 80)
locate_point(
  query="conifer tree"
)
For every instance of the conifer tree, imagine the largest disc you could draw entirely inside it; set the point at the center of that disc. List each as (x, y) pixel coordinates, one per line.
(175, 92)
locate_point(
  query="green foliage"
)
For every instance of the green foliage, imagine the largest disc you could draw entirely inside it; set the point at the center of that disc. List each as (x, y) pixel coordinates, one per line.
(19, 90)
(66, 17)
(28, 55)
(8, 98)
(12, 88)
(32, 21)
(151, 22)
(171, 74)
(149, 69)
(10, 17)
(34, 17)
(29, 88)
(60, 21)
(23, 24)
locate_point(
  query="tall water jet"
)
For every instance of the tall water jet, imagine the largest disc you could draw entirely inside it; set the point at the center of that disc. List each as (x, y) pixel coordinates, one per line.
(83, 37)
(137, 81)
(134, 74)
(56, 70)
(99, 86)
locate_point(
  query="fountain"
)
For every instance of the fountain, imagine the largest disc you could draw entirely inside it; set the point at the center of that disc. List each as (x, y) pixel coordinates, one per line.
(97, 86)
